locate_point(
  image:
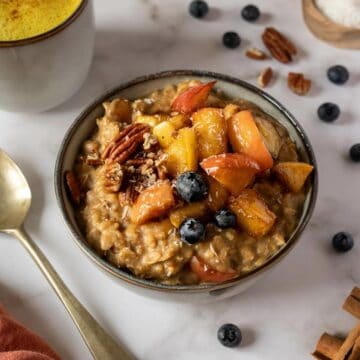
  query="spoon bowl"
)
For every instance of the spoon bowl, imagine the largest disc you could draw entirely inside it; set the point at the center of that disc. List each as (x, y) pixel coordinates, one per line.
(15, 194)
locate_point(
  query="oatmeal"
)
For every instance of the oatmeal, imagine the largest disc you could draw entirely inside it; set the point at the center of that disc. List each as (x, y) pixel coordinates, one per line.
(186, 186)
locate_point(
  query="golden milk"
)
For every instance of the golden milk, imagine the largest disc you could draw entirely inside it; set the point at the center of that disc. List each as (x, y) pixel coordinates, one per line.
(22, 19)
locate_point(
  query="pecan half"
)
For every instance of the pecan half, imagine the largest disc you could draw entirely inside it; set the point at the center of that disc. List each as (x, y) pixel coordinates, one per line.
(123, 146)
(280, 47)
(73, 187)
(265, 77)
(255, 54)
(298, 84)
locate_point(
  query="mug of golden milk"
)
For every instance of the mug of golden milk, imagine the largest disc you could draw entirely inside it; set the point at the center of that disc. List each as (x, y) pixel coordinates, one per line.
(46, 49)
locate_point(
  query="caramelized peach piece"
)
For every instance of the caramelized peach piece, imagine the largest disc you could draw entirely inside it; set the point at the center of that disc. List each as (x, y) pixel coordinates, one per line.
(153, 202)
(179, 121)
(210, 129)
(293, 174)
(151, 120)
(193, 98)
(252, 213)
(230, 110)
(195, 210)
(165, 133)
(217, 196)
(233, 171)
(182, 153)
(206, 274)
(245, 138)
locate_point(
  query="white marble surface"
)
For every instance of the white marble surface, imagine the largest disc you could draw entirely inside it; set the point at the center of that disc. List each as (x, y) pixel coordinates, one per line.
(281, 316)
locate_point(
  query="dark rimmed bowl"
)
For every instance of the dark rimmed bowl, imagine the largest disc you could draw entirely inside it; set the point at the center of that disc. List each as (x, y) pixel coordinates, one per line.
(141, 87)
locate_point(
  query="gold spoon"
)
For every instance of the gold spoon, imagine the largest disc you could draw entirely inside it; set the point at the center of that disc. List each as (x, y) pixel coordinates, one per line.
(15, 200)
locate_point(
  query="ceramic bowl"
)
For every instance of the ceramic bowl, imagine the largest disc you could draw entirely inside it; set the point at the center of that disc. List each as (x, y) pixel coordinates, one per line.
(327, 30)
(84, 125)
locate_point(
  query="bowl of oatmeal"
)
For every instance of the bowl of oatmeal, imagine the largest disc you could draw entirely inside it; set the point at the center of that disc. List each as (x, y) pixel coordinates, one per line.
(186, 181)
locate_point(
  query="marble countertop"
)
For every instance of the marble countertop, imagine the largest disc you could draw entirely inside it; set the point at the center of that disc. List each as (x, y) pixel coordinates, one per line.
(283, 315)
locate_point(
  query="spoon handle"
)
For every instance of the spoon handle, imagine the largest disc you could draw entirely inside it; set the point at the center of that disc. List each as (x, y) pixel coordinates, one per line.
(101, 345)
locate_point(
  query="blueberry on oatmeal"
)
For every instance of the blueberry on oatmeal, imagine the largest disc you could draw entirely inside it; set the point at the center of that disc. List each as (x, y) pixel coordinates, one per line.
(191, 186)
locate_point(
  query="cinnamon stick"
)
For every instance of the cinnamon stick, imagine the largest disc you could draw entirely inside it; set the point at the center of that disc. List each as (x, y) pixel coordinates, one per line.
(352, 303)
(355, 353)
(349, 343)
(327, 347)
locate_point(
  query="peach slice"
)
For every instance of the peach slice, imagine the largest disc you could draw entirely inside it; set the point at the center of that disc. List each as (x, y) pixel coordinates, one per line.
(246, 138)
(197, 210)
(182, 153)
(206, 274)
(193, 98)
(252, 213)
(234, 171)
(293, 174)
(165, 133)
(153, 202)
(230, 110)
(210, 129)
(217, 196)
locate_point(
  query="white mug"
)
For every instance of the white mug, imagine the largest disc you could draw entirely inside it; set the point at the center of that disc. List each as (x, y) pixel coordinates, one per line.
(41, 72)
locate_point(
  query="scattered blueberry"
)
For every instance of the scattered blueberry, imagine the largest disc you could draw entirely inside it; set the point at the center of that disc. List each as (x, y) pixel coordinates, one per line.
(342, 242)
(338, 74)
(250, 13)
(192, 231)
(355, 153)
(198, 8)
(225, 218)
(231, 39)
(191, 186)
(328, 112)
(229, 335)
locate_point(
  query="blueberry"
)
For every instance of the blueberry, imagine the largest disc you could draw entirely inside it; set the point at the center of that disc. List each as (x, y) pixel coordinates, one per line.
(231, 39)
(229, 335)
(191, 186)
(225, 218)
(338, 74)
(250, 13)
(192, 231)
(328, 112)
(355, 153)
(342, 242)
(198, 8)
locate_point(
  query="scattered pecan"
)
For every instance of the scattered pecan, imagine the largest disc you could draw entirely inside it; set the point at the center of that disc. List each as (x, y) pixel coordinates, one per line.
(136, 162)
(265, 77)
(255, 54)
(149, 141)
(281, 48)
(298, 84)
(73, 187)
(131, 194)
(124, 145)
(113, 177)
